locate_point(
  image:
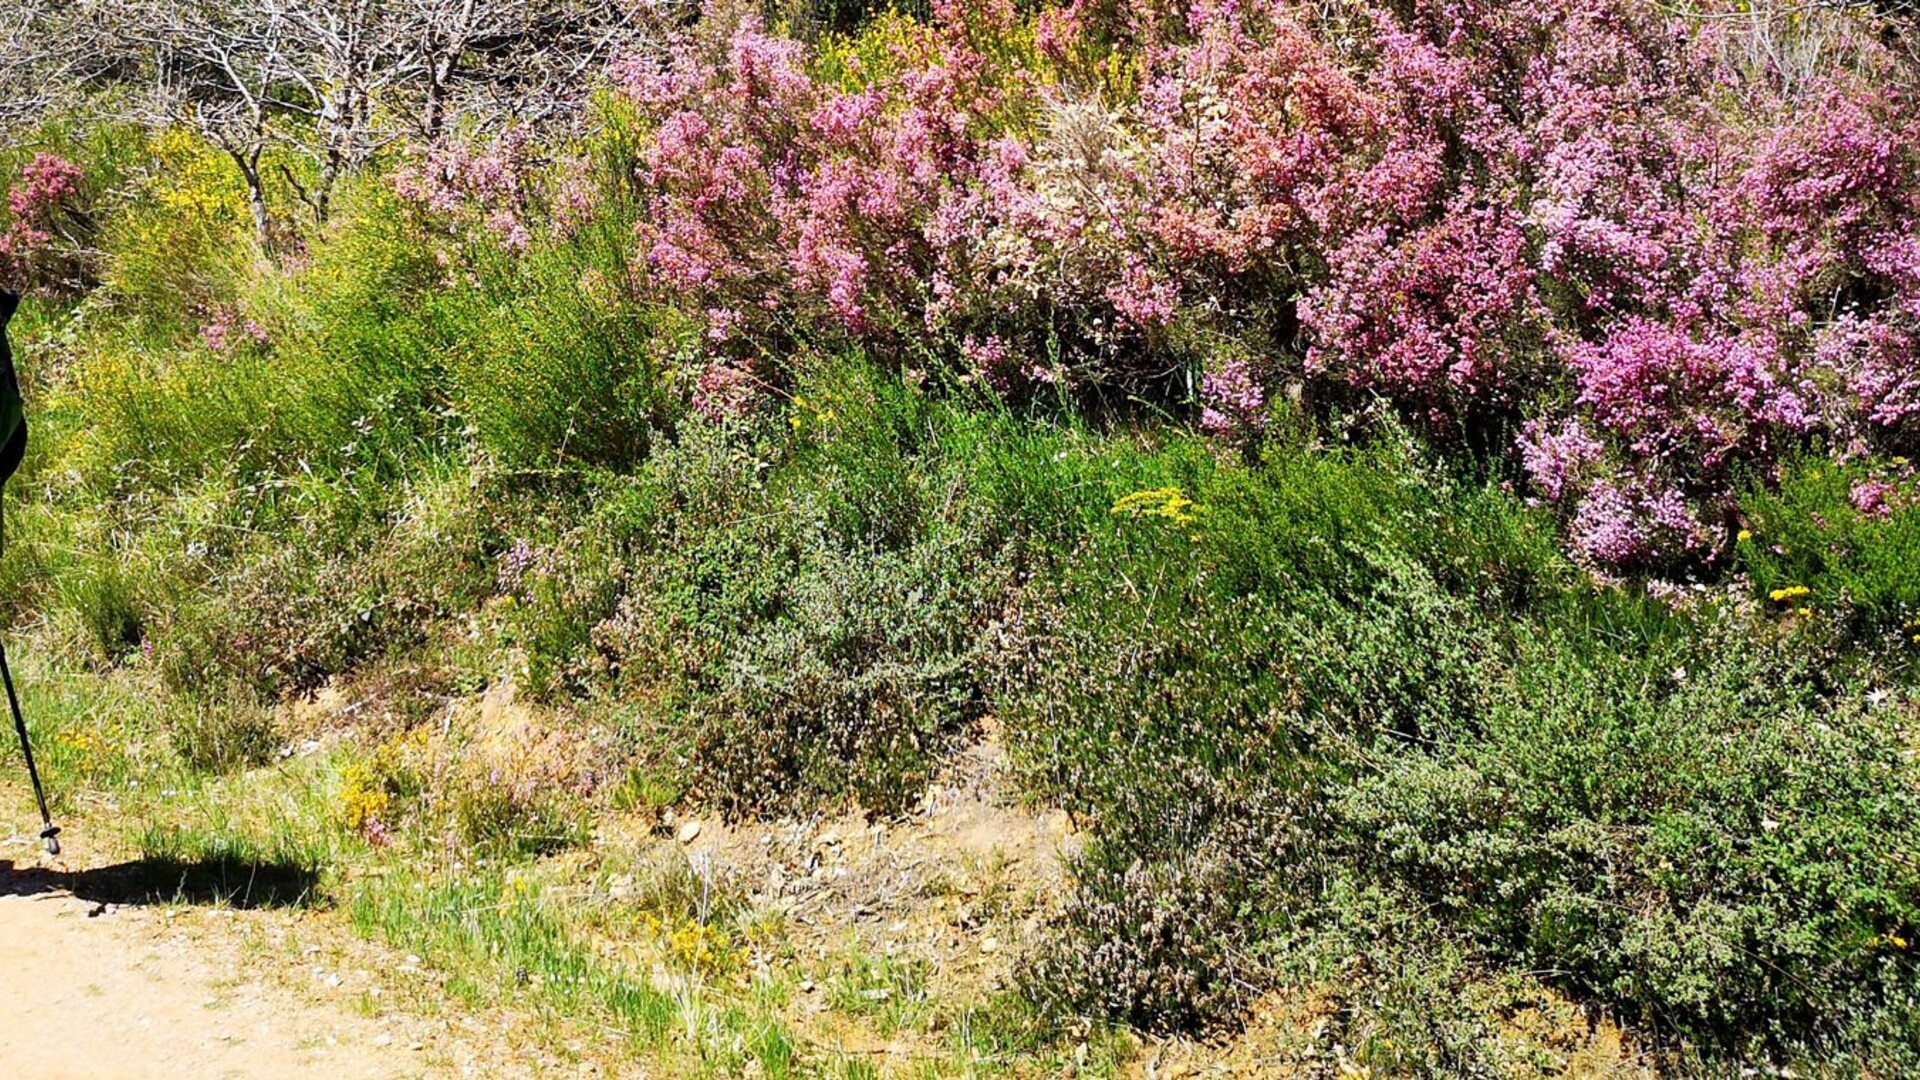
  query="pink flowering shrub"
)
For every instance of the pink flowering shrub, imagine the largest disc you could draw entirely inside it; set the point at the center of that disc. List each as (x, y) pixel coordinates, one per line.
(1874, 498)
(503, 190)
(42, 242)
(724, 389)
(776, 199)
(1231, 398)
(227, 330)
(1624, 246)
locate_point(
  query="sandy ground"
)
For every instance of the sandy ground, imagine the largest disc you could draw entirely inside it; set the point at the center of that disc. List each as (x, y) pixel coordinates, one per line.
(92, 990)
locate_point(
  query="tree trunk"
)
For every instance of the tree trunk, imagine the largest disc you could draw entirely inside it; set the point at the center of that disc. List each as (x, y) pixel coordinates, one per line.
(249, 166)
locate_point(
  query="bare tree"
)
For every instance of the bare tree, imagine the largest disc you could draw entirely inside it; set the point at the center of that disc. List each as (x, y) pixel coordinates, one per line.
(225, 70)
(23, 98)
(526, 59)
(333, 80)
(51, 54)
(350, 54)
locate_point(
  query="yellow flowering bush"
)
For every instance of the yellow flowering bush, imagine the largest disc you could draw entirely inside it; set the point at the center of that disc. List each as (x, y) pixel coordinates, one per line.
(694, 946)
(1167, 503)
(365, 802)
(371, 790)
(186, 240)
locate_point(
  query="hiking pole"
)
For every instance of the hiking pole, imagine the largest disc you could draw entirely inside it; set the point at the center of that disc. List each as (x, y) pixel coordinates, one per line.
(13, 447)
(51, 832)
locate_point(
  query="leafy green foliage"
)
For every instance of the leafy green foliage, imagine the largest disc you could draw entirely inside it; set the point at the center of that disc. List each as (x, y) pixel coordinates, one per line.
(1856, 565)
(1338, 714)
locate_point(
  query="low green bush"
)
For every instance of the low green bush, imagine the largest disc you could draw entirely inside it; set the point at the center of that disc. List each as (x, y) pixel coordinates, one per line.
(1367, 687)
(1698, 835)
(1809, 544)
(222, 731)
(807, 613)
(1162, 946)
(551, 362)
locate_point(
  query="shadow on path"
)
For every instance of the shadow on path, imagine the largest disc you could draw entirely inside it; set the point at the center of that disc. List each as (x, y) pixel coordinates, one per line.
(235, 882)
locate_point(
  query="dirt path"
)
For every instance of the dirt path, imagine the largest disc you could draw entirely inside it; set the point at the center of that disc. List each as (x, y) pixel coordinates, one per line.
(92, 990)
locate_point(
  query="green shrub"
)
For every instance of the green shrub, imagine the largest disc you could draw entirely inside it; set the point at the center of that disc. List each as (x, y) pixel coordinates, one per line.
(222, 731)
(862, 672)
(368, 571)
(102, 595)
(1856, 567)
(1368, 688)
(815, 651)
(553, 364)
(1698, 834)
(1161, 946)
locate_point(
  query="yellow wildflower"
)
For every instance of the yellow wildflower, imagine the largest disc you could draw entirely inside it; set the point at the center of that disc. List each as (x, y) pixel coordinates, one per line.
(1169, 503)
(363, 798)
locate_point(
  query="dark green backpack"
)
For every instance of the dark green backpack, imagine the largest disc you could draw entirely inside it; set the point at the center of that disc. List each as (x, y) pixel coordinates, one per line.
(13, 422)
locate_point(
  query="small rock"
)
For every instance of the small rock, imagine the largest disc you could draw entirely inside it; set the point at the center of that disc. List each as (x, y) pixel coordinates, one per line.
(688, 832)
(990, 945)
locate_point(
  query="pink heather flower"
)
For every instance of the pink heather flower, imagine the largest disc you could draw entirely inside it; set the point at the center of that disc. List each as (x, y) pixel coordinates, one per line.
(1142, 298)
(1607, 528)
(721, 323)
(1427, 318)
(574, 201)
(848, 117)
(1870, 497)
(509, 230)
(517, 563)
(990, 359)
(215, 332)
(767, 67)
(1231, 400)
(45, 182)
(1557, 459)
(498, 190)
(228, 329)
(36, 248)
(1618, 527)
(724, 390)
